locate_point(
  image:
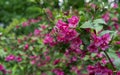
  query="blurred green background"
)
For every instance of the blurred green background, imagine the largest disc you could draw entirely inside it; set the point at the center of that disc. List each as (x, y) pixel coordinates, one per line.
(26, 9)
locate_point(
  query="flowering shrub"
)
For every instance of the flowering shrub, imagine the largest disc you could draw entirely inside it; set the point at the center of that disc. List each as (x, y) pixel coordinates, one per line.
(86, 43)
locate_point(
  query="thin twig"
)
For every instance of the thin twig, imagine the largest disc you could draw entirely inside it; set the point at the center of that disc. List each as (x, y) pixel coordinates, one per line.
(110, 60)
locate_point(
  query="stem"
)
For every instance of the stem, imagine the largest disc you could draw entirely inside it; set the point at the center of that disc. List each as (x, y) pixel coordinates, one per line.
(110, 60)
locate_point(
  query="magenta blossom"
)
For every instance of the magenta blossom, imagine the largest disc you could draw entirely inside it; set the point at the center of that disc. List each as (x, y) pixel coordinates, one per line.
(24, 24)
(74, 59)
(49, 40)
(75, 43)
(58, 72)
(106, 17)
(118, 73)
(104, 61)
(106, 38)
(118, 54)
(10, 58)
(104, 46)
(18, 59)
(115, 19)
(92, 48)
(33, 21)
(43, 74)
(26, 47)
(93, 5)
(56, 61)
(96, 40)
(1, 67)
(60, 24)
(118, 42)
(98, 69)
(117, 26)
(115, 5)
(73, 21)
(37, 32)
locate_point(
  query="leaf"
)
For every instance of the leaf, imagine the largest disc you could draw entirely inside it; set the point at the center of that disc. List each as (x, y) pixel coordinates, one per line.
(105, 31)
(98, 27)
(99, 21)
(2, 53)
(14, 69)
(87, 24)
(113, 33)
(116, 59)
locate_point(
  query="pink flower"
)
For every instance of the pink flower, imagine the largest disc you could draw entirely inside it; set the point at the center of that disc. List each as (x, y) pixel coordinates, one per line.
(106, 38)
(67, 35)
(73, 21)
(43, 27)
(117, 26)
(74, 69)
(75, 43)
(115, 5)
(26, 47)
(104, 61)
(47, 58)
(49, 13)
(33, 57)
(64, 32)
(118, 42)
(118, 54)
(104, 46)
(36, 32)
(115, 19)
(43, 74)
(109, 27)
(93, 6)
(10, 58)
(33, 21)
(24, 24)
(74, 59)
(49, 40)
(106, 17)
(100, 55)
(60, 23)
(18, 59)
(92, 48)
(96, 40)
(118, 73)
(58, 72)
(1, 67)
(32, 62)
(56, 61)
(98, 69)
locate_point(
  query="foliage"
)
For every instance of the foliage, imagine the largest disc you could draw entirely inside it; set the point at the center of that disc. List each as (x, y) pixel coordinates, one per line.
(82, 41)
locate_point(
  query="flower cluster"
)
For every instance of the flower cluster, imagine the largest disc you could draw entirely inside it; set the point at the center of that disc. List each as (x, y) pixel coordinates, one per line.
(66, 31)
(98, 69)
(2, 69)
(27, 23)
(99, 41)
(13, 58)
(58, 72)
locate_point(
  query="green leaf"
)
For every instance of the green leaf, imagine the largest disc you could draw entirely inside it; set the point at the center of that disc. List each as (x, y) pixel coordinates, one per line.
(105, 31)
(113, 33)
(98, 27)
(87, 24)
(116, 59)
(2, 53)
(14, 69)
(99, 21)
